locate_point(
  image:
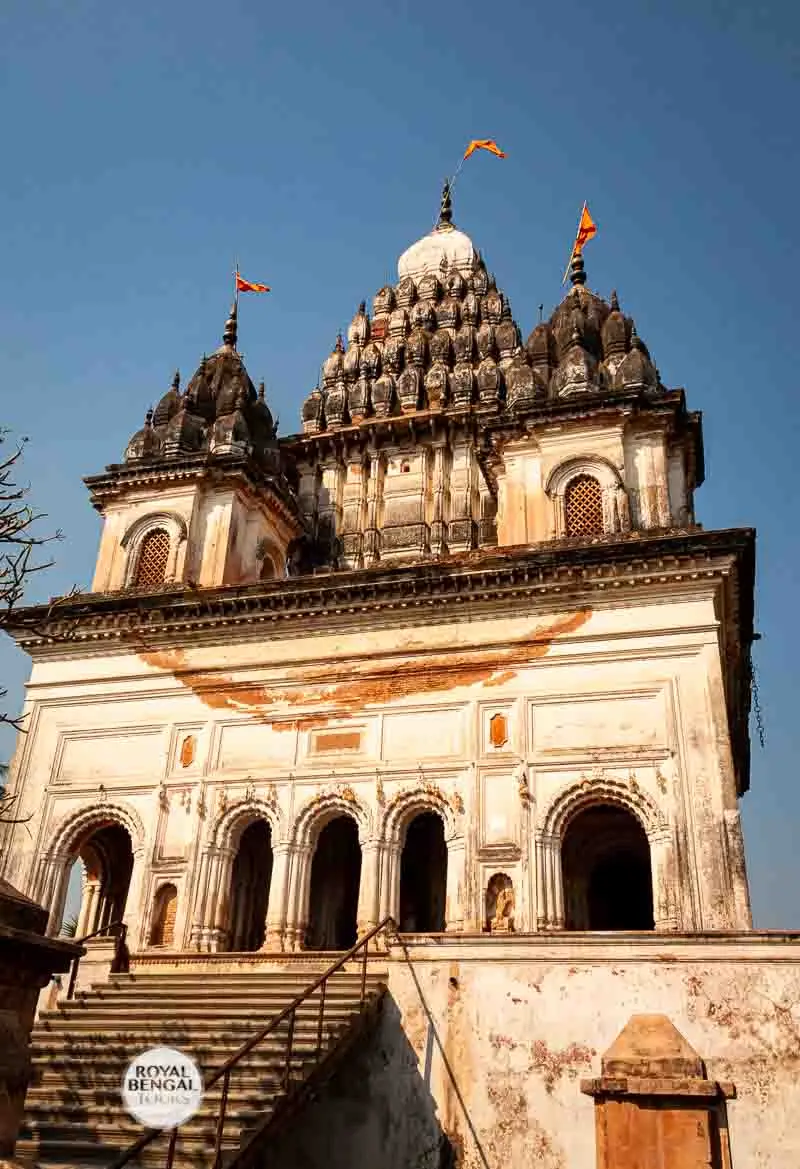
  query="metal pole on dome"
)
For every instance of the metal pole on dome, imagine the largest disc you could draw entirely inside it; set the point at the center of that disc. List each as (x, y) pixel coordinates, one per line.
(236, 285)
(577, 236)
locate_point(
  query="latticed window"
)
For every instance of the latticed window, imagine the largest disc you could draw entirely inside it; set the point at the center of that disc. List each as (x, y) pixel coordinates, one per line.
(151, 569)
(583, 504)
(163, 931)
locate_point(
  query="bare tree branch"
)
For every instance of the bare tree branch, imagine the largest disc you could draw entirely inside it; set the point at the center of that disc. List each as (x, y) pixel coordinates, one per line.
(21, 544)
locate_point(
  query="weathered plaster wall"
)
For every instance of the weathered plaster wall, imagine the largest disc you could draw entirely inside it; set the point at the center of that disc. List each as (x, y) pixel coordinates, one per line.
(622, 700)
(377, 1110)
(521, 1024)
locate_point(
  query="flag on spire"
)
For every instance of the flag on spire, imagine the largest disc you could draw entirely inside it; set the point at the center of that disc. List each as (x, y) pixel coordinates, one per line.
(243, 285)
(587, 229)
(488, 144)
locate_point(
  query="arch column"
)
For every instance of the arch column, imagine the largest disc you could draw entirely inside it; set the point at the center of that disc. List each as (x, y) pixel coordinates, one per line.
(213, 931)
(369, 887)
(456, 874)
(201, 900)
(294, 930)
(389, 893)
(278, 903)
(662, 869)
(53, 889)
(550, 882)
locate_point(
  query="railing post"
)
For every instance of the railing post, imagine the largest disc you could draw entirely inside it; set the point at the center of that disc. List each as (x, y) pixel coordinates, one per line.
(73, 974)
(364, 973)
(289, 1042)
(223, 1105)
(323, 988)
(173, 1137)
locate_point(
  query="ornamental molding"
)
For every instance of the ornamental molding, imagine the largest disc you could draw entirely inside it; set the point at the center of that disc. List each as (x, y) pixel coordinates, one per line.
(568, 572)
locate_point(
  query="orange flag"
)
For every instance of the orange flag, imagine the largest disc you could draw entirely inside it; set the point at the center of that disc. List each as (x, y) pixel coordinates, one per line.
(587, 228)
(483, 144)
(243, 285)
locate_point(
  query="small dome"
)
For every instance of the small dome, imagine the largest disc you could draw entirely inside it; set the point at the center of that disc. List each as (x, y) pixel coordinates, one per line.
(445, 242)
(170, 404)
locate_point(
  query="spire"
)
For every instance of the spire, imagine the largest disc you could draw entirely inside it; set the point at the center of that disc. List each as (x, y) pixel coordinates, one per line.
(229, 336)
(176, 380)
(446, 207)
(577, 271)
(614, 302)
(261, 390)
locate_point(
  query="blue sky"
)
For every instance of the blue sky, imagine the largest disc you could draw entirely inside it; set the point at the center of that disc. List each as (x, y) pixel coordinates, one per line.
(146, 145)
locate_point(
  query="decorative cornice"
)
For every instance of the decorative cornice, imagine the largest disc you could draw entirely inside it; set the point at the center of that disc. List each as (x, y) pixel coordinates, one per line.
(562, 572)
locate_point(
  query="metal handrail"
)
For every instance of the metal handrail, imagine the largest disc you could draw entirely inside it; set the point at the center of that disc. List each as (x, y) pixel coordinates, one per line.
(224, 1071)
(120, 937)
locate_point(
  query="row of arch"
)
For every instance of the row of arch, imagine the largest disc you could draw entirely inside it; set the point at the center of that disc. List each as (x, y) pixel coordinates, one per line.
(606, 877)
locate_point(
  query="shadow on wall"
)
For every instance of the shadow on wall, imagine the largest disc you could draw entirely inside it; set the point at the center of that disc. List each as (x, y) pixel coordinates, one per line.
(376, 1109)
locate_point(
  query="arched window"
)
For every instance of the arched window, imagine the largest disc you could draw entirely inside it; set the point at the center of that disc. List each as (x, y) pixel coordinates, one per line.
(151, 567)
(606, 870)
(583, 505)
(162, 932)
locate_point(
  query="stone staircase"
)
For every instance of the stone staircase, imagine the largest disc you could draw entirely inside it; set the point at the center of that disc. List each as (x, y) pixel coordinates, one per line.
(74, 1115)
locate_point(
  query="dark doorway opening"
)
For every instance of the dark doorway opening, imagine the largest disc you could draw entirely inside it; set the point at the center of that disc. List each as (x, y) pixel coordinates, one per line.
(605, 859)
(423, 876)
(335, 879)
(250, 880)
(107, 858)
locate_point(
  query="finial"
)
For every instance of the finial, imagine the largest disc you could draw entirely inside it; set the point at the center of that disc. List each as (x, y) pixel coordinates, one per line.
(148, 418)
(446, 206)
(362, 308)
(577, 272)
(614, 302)
(176, 380)
(229, 336)
(636, 340)
(339, 347)
(261, 390)
(541, 313)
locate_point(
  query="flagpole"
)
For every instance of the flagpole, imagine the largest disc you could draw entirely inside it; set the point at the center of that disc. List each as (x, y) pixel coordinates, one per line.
(572, 253)
(236, 285)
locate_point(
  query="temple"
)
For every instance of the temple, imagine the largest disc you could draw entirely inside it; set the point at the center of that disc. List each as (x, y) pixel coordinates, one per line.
(457, 652)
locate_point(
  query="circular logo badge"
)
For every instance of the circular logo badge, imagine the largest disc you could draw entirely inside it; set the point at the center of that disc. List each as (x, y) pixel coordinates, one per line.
(162, 1087)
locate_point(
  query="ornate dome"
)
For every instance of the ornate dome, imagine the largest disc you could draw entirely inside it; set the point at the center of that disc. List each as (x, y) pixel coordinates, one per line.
(444, 338)
(443, 250)
(220, 411)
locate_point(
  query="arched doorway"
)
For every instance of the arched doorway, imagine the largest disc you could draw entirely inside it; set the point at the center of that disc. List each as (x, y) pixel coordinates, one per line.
(107, 858)
(423, 876)
(605, 860)
(250, 881)
(334, 885)
(162, 930)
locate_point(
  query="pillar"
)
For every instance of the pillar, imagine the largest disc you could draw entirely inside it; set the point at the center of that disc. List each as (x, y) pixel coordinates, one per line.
(297, 899)
(654, 1104)
(665, 909)
(454, 903)
(737, 869)
(550, 894)
(369, 887)
(277, 906)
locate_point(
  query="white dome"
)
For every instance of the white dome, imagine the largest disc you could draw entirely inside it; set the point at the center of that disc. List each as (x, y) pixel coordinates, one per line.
(445, 242)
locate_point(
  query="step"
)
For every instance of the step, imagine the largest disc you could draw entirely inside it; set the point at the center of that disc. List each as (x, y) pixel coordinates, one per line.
(266, 1004)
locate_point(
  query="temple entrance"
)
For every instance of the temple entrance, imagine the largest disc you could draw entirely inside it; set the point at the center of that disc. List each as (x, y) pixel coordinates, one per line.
(107, 859)
(423, 876)
(335, 879)
(250, 880)
(605, 860)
